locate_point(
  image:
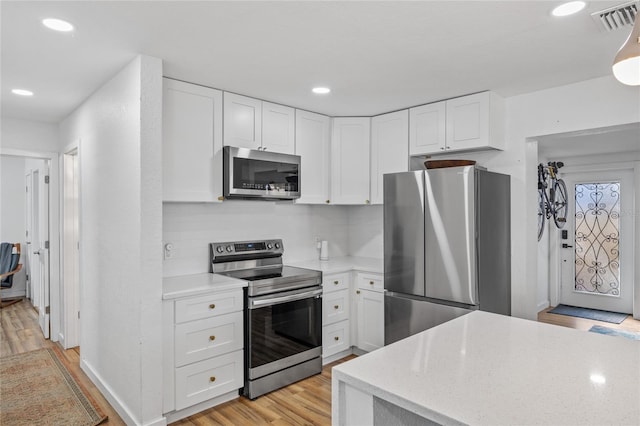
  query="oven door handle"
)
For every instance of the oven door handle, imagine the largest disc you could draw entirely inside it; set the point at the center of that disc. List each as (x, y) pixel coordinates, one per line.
(257, 303)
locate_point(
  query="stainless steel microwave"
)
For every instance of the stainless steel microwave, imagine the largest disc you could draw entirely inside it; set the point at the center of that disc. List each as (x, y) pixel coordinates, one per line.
(255, 174)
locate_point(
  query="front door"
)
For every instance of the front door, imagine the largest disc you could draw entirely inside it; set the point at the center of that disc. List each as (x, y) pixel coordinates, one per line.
(597, 262)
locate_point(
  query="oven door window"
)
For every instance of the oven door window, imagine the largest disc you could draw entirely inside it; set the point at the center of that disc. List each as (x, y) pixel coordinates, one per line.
(264, 175)
(285, 329)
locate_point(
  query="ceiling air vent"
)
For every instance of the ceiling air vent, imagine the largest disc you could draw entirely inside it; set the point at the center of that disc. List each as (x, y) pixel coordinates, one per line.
(617, 17)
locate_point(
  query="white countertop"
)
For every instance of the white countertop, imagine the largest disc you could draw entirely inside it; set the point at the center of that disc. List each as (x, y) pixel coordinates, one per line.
(488, 369)
(343, 264)
(193, 285)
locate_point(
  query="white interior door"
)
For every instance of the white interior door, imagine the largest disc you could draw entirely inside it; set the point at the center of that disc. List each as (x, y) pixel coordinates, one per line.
(71, 238)
(34, 241)
(597, 264)
(39, 248)
(28, 257)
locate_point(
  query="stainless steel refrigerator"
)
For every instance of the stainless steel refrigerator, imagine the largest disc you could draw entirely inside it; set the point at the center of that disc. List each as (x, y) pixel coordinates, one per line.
(446, 247)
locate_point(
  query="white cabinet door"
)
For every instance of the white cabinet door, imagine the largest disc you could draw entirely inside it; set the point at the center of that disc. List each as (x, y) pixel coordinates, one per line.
(370, 307)
(242, 121)
(350, 147)
(475, 121)
(313, 140)
(389, 149)
(278, 128)
(191, 142)
(427, 128)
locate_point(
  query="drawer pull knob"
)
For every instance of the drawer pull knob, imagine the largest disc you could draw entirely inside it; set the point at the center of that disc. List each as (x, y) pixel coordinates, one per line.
(336, 338)
(371, 282)
(212, 338)
(212, 306)
(357, 291)
(212, 379)
(328, 201)
(336, 306)
(336, 282)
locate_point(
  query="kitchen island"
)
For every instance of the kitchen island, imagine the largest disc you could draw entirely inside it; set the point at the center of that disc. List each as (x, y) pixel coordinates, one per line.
(488, 369)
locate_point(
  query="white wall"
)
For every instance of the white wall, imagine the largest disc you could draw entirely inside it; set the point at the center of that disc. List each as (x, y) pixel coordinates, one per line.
(29, 135)
(119, 129)
(191, 227)
(13, 215)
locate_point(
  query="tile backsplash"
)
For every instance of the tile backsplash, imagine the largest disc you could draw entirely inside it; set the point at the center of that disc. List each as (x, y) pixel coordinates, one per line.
(190, 227)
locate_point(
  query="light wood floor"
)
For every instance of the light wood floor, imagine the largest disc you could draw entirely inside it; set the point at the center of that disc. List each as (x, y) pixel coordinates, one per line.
(305, 402)
(20, 332)
(628, 324)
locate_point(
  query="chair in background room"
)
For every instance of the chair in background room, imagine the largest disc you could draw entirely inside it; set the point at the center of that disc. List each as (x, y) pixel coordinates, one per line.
(9, 266)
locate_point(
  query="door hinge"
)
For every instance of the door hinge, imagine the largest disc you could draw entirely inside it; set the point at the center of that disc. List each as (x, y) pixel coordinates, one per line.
(47, 310)
(78, 314)
(26, 189)
(46, 179)
(46, 245)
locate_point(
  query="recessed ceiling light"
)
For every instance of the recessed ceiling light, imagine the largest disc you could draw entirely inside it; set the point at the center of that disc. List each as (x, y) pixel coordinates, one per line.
(57, 24)
(321, 90)
(22, 92)
(570, 8)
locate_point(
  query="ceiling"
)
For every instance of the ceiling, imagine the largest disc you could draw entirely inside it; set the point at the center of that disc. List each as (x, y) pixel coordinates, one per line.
(376, 56)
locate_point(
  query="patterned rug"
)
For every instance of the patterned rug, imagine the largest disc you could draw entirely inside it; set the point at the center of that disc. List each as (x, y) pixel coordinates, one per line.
(36, 388)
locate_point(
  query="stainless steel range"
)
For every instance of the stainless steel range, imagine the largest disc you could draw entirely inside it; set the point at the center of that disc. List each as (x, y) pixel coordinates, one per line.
(283, 313)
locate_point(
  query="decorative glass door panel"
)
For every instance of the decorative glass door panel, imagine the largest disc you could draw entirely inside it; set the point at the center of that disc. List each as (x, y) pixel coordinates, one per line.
(597, 238)
(596, 257)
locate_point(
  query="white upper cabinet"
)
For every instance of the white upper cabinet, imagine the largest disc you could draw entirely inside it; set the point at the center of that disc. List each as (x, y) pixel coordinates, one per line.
(191, 142)
(475, 121)
(313, 139)
(461, 124)
(389, 149)
(428, 127)
(255, 124)
(242, 121)
(278, 128)
(350, 147)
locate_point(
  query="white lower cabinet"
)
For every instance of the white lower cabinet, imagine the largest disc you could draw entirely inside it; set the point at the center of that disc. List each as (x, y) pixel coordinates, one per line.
(370, 311)
(204, 355)
(336, 328)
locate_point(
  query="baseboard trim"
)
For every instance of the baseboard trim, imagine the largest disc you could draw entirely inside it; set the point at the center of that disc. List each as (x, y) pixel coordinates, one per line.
(331, 358)
(543, 305)
(107, 392)
(189, 411)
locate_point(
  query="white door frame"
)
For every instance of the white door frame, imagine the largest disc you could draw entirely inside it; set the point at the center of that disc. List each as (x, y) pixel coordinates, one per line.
(70, 327)
(54, 230)
(554, 240)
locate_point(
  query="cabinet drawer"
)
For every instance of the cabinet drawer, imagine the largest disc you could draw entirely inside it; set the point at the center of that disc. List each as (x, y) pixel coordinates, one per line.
(335, 307)
(207, 379)
(335, 338)
(335, 282)
(208, 305)
(202, 339)
(371, 282)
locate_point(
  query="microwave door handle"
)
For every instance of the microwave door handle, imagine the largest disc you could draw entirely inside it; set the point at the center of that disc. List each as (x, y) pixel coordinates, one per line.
(283, 299)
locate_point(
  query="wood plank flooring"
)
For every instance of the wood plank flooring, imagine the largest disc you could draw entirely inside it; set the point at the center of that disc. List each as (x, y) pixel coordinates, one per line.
(628, 324)
(20, 332)
(304, 403)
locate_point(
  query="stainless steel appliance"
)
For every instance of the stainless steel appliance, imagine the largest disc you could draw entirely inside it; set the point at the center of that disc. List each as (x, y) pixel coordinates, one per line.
(446, 247)
(283, 313)
(256, 174)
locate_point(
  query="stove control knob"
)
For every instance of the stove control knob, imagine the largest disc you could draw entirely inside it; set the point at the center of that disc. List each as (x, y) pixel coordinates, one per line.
(277, 245)
(219, 249)
(229, 249)
(269, 246)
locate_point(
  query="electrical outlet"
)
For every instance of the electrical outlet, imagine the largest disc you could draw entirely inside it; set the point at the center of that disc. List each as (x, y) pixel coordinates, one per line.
(169, 250)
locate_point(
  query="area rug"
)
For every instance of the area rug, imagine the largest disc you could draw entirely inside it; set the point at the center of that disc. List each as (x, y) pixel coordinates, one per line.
(594, 314)
(37, 389)
(613, 332)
